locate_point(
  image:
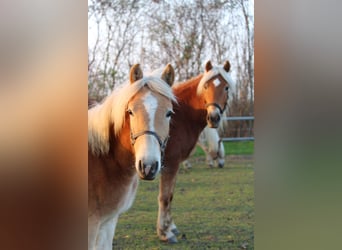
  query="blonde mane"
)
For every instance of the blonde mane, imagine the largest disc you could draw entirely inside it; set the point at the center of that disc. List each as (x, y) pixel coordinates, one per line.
(212, 73)
(112, 111)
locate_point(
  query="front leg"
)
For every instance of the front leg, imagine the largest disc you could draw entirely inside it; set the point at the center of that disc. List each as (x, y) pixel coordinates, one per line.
(93, 229)
(166, 229)
(209, 160)
(106, 233)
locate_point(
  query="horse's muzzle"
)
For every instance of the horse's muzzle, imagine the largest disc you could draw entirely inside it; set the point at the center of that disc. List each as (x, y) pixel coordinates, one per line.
(148, 171)
(213, 120)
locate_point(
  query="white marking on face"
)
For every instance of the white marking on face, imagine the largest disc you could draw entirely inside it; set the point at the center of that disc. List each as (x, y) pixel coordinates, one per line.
(150, 103)
(216, 82)
(147, 146)
(213, 110)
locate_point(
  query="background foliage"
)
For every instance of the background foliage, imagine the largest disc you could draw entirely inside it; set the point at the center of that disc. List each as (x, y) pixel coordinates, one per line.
(185, 33)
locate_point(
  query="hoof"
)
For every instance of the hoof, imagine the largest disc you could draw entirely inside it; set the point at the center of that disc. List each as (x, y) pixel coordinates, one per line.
(172, 240)
(175, 231)
(220, 165)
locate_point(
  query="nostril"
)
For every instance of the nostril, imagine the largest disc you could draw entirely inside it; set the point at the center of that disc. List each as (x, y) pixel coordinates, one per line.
(141, 166)
(155, 167)
(213, 118)
(218, 118)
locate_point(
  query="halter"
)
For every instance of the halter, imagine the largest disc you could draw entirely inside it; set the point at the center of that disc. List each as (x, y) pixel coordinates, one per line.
(214, 103)
(217, 106)
(162, 144)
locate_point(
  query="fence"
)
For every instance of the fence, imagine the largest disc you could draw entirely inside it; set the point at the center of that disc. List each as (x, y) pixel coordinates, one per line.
(240, 118)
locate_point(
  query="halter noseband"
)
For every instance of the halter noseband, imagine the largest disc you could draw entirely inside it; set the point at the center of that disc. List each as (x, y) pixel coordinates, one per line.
(162, 144)
(217, 106)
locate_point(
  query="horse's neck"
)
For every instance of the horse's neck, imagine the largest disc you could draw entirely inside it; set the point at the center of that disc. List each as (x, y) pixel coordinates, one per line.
(110, 175)
(191, 105)
(121, 149)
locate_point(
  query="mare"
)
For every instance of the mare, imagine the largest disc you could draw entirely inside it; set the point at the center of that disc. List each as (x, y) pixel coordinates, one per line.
(127, 135)
(212, 145)
(201, 102)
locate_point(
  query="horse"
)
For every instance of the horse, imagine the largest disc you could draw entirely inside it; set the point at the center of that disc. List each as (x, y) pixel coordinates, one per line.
(127, 135)
(201, 102)
(212, 145)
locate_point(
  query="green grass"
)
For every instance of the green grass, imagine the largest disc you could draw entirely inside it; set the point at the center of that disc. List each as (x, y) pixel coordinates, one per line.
(212, 208)
(232, 148)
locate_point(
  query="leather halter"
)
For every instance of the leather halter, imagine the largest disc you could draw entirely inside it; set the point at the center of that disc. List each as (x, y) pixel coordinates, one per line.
(162, 144)
(217, 106)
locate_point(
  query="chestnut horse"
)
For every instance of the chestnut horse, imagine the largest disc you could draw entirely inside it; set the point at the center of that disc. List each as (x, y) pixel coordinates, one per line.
(201, 102)
(127, 135)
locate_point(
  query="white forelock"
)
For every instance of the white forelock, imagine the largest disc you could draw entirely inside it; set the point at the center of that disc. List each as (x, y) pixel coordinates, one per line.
(216, 70)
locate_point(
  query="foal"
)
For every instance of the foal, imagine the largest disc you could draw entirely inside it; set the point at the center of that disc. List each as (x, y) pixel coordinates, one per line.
(127, 135)
(202, 101)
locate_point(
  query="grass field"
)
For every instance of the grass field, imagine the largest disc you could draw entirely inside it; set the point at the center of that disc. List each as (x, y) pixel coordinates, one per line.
(212, 208)
(232, 148)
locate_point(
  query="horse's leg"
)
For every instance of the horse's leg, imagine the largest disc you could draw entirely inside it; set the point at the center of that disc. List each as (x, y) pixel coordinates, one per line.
(93, 229)
(106, 233)
(209, 159)
(166, 228)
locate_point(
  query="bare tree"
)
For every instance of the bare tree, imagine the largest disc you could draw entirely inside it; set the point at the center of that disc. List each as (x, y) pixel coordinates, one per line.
(185, 33)
(117, 25)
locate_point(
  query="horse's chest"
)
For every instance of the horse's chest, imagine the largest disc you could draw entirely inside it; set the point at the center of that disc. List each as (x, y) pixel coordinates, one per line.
(128, 196)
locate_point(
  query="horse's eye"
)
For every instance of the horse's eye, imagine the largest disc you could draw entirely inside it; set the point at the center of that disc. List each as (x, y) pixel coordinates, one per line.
(226, 88)
(130, 112)
(169, 113)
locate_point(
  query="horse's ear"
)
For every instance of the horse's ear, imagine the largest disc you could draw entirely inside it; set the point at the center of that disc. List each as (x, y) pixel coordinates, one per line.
(168, 74)
(208, 66)
(226, 66)
(135, 73)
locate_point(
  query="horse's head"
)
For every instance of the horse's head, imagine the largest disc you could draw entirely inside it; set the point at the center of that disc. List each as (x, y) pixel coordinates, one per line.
(149, 112)
(213, 88)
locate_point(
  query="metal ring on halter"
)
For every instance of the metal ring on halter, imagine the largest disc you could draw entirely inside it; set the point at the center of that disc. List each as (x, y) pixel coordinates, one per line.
(217, 106)
(162, 144)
